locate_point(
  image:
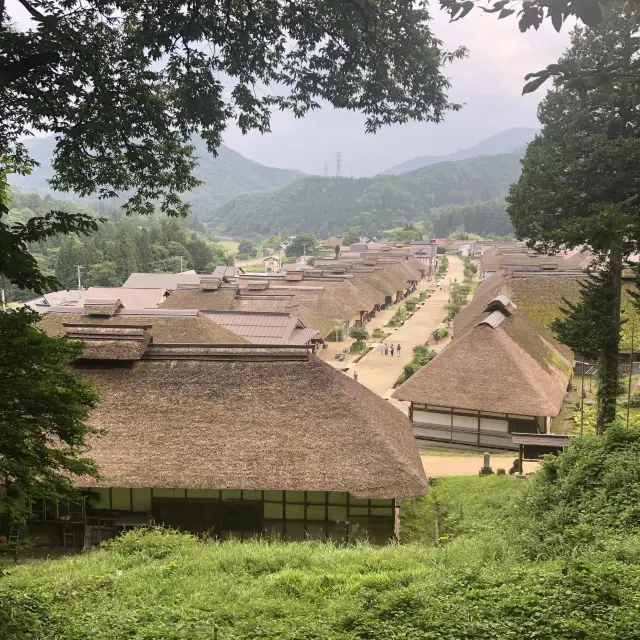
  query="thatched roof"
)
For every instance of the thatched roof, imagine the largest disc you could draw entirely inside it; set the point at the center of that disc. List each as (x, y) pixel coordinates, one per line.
(101, 306)
(125, 342)
(164, 327)
(131, 298)
(540, 297)
(248, 419)
(221, 299)
(500, 360)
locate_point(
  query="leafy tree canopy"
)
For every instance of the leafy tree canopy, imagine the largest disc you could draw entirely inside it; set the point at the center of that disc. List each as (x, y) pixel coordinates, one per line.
(351, 236)
(119, 246)
(247, 247)
(303, 243)
(579, 186)
(531, 13)
(43, 414)
(125, 85)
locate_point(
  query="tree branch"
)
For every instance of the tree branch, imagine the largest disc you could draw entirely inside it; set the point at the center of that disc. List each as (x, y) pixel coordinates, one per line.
(20, 68)
(35, 14)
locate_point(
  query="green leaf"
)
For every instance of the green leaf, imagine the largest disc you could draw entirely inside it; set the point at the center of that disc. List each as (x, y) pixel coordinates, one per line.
(530, 87)
(505, 13)
(589, 12)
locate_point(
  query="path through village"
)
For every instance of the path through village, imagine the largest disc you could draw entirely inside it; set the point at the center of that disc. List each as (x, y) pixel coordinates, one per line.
(379, 372)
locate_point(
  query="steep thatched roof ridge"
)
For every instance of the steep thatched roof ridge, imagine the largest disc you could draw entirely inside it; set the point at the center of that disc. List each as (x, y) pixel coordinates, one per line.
(513, 366)
(539, 297)
(164, 329)
(292, 425)
(218, 300)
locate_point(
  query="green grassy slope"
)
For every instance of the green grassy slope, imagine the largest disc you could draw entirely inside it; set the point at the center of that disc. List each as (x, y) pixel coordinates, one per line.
(474, 585)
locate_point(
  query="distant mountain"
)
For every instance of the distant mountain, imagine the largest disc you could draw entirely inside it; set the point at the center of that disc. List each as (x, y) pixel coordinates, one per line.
(326, 206)
(224, 176)
(504, 142)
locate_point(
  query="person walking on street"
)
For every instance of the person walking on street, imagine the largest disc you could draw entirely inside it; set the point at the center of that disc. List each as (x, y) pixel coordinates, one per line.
(355, 376)
(381, 348)
(386, 349)
(398, 349)
(391, 349)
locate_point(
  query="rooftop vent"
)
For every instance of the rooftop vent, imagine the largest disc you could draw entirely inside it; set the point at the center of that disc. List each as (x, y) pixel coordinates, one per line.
(115, 342)
(101, 306)
(256, 285)
(502, 304)
(294, 276)
(210, 283)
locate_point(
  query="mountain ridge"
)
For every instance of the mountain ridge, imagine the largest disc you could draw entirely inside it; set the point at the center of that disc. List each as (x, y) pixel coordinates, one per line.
(504, 142)
(224, 176)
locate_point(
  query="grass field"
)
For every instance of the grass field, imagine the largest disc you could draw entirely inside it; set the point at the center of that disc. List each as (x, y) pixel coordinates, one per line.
(475, 584)
(229, 245)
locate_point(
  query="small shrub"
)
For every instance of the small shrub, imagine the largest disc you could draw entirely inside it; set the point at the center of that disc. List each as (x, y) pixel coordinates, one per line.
(358, 333)
(442, 332)
(357, 346)
(378, 333)
(337, 334)
(410, 305)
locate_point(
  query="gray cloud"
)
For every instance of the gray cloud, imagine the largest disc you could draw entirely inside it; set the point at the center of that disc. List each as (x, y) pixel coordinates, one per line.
(489, 82)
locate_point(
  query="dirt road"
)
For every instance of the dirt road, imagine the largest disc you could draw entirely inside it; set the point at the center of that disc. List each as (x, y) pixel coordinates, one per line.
(379, 372)
(437, 466)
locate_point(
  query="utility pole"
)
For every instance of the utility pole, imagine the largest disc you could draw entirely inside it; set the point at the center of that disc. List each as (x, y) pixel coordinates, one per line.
(338, 162)
(79, 268)
(180, 264)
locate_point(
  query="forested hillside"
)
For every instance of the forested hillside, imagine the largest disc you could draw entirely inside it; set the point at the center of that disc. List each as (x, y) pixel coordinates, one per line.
(120, 247)
(326, 206)
(483, 218)
(224, 176)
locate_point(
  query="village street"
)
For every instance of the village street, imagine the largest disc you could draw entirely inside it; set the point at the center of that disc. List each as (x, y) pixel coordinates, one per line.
(379, 372)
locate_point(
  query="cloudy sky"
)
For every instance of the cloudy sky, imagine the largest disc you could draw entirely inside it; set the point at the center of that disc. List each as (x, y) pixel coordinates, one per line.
(489, 84)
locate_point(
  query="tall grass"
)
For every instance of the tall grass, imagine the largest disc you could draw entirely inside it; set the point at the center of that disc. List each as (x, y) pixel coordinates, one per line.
(152, 585)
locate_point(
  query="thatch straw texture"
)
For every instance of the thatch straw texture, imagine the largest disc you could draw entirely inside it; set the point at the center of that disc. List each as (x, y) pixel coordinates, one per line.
(292, 425)
(219, 300)
(164, 329)
(514, 367)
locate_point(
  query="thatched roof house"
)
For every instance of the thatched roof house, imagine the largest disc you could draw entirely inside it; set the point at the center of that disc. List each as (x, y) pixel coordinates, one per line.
(190, 419)
(233, 440)
(502, 373)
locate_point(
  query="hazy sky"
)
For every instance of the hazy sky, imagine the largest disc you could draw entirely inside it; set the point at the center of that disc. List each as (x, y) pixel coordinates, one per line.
(489, 83)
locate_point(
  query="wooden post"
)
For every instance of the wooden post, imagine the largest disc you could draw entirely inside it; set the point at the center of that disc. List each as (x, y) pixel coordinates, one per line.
(582, 401)
(633, 326)
(521, 458)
